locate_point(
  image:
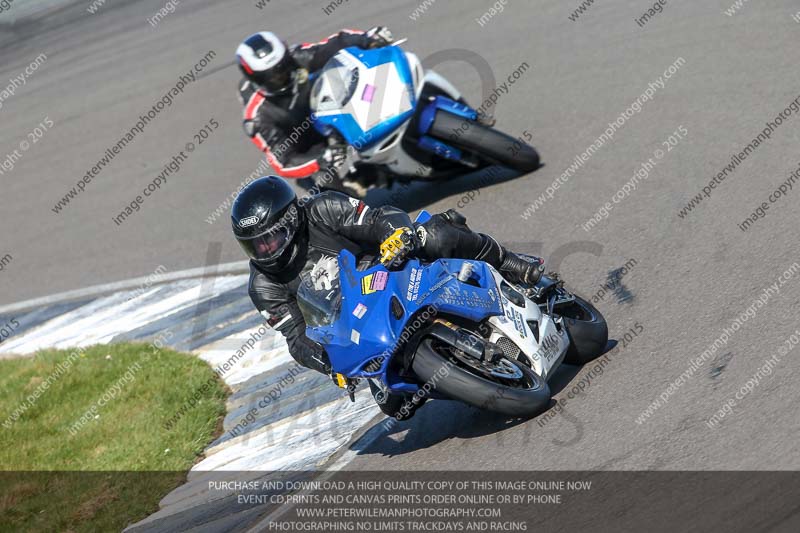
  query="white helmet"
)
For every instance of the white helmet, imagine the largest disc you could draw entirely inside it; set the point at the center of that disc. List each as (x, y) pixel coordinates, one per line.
(265, 61)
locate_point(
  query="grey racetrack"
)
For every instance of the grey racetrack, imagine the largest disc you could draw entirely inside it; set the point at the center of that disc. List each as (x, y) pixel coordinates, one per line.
(693, 275)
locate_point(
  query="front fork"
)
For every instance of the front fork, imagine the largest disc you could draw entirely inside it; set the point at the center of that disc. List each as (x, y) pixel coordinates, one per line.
(442, 104)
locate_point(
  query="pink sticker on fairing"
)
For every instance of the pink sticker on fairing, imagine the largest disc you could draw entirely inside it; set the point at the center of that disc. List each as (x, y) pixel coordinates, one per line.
(369, 93)
(379, 281)
(359, 311)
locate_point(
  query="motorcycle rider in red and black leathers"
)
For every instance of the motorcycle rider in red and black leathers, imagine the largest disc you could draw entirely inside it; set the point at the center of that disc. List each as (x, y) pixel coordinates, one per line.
(290, 241)
(275, 95)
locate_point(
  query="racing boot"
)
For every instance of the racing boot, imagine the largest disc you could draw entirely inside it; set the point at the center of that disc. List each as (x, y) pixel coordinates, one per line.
(522, 269)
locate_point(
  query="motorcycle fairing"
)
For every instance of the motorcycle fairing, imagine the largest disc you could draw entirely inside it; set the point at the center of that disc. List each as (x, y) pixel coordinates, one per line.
(546, 347)
(346, 91)
(360, 335)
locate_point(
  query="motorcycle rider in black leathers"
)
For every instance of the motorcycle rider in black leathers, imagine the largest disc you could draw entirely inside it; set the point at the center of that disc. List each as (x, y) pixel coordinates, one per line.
(275, 95)
(290, 241)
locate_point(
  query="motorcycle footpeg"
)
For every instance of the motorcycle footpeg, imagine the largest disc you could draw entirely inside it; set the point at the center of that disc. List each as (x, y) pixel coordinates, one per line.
(348, 384)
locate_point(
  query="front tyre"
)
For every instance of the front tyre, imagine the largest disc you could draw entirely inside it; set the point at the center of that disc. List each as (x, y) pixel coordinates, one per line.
(514, 389)
(487, 143)
(587, 330)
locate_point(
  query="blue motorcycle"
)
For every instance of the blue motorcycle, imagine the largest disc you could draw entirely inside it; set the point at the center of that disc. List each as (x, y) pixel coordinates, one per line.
(401, 121)
(449, 329)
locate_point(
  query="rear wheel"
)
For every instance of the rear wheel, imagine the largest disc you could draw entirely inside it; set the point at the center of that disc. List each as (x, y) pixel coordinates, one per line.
(507, 386)
(487, 143)
(587, 330)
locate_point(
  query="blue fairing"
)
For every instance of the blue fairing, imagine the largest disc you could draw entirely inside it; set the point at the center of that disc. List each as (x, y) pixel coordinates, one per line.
(422, 217)
(347, 126)
(360, 335)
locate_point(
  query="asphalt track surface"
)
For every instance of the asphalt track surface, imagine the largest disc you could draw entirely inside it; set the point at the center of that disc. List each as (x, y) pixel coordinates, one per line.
(692, 278)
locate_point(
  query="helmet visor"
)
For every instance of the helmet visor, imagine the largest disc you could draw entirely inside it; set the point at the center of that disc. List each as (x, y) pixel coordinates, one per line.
(275, 79)
(268, 247)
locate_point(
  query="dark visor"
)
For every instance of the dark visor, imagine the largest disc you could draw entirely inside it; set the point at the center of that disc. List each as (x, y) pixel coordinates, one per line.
(266, 247)
(275, 80)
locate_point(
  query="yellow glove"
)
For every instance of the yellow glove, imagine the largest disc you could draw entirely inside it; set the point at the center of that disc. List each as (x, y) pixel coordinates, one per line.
(397, 246)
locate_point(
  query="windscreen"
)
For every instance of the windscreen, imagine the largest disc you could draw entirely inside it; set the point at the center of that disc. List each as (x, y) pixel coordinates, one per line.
(320, 296)
(335, 86)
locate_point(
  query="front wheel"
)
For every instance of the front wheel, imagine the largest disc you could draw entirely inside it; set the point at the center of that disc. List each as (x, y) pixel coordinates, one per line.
(508, 386)
(587, 330)
(487, 143)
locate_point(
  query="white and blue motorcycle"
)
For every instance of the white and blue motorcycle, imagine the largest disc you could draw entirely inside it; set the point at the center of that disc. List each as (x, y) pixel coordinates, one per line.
(404, 122)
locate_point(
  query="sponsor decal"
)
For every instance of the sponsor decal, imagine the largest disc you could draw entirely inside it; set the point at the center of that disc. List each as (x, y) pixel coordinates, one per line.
(374, 282)
(379, 280)
(248, 221)
(520, 324)
(369, 93)
(492, 295)
(515, 316)
(359, 311)
(355, 336)
(549, 347)
(366, 282)
(413, 284)
(436, 286)
(550, 342)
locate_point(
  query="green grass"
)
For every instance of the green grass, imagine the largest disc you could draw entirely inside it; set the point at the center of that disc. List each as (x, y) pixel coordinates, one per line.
(112, 470)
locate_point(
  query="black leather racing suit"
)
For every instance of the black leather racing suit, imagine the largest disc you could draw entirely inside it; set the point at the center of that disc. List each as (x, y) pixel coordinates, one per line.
(335, 222)
(280, 125)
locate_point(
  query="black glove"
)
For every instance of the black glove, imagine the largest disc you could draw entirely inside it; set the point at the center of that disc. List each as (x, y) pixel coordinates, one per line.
(379, 36)
(525, 269)
(334, 156)
(334, 160)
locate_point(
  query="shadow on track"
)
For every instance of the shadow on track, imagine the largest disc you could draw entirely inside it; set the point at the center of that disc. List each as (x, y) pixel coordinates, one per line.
(442, 420)
(418, 194)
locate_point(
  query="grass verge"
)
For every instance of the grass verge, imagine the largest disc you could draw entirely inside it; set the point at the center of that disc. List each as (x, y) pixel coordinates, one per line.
(87, 448)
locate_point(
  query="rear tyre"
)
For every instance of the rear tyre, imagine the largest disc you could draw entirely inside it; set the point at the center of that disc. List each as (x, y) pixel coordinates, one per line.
(524, 398)
(587, 330)
(489, 144)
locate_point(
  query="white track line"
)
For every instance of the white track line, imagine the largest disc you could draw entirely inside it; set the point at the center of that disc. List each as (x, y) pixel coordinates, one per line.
(238, 267)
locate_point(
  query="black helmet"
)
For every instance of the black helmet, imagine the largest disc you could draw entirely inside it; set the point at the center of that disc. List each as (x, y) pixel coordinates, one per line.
(269, 223)
(265, 61)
